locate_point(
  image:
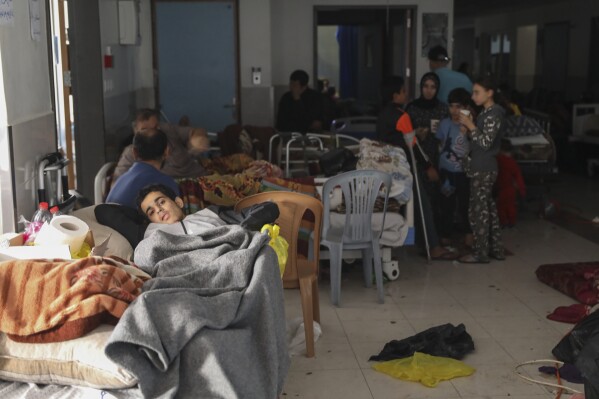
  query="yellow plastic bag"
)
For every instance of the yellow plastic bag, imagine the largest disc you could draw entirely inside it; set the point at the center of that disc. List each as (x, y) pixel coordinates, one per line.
(278, 243)
(426, 369)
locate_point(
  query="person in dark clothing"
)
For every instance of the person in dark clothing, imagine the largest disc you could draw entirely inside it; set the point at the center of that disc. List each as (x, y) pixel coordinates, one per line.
(301, 109)
(389, 119)
(426, 111)
(481, 167)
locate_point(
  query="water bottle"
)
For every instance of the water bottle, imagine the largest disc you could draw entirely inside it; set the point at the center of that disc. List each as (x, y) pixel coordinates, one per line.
(41, 216)
(55, 212)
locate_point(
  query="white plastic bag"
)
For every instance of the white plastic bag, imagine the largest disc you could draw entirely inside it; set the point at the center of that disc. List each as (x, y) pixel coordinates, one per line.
(296, 336)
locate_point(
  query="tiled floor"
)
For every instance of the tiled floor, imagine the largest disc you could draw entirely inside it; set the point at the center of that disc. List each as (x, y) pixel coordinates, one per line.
(502, 305)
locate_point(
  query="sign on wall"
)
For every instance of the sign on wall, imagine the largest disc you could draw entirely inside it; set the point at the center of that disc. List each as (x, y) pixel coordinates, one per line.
(434, 31)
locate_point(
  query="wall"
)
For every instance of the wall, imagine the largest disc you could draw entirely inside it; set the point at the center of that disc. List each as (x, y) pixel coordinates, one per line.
(129, 84)
(27, 128)
(578, 12)
(255, 50)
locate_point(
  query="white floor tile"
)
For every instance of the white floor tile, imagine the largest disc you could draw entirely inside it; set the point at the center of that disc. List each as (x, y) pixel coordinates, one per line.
(329, 356)
(377, 330)
(497, 379)
(326, 384)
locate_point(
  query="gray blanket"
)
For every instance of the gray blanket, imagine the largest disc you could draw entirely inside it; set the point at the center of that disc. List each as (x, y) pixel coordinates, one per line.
(211, 323)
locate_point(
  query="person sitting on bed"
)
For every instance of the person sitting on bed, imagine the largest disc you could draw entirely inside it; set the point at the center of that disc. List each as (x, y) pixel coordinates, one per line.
(150, 148)
(184, 143)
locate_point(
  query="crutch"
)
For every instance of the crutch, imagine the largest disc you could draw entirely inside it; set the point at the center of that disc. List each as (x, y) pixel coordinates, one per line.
(410, 139)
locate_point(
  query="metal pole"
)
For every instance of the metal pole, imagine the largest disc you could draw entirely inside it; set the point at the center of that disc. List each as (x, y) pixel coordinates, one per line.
(409, 138)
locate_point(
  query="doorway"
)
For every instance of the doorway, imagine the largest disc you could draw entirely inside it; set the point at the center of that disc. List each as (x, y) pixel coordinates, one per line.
(356, 47)
(196, 56)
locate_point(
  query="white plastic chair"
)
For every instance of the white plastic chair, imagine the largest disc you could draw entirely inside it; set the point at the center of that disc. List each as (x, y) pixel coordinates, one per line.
(101, 186)
(360, 189)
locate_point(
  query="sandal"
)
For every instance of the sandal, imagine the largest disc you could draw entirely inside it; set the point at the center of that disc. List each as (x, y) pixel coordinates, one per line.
(471, 258)
(446, 255)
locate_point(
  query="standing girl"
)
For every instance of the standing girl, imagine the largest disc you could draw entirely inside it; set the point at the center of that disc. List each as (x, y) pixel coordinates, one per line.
(481, 167)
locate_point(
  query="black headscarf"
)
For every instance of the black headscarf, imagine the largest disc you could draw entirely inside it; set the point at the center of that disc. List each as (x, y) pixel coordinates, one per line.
(422, 102)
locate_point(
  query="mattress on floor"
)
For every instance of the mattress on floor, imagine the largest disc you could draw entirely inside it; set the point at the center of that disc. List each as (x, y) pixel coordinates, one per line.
(577, 280)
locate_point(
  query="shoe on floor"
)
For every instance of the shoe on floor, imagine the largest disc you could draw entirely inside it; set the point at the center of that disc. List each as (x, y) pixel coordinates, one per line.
(497, 255)
(445, 254)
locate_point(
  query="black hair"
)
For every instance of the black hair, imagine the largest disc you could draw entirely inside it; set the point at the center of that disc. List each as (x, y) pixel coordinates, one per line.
(150, 144)
(300, 76)
(460, 96)
(438, 53)
(489, 83)
(143, 193)
(143, 114)
(390, 86)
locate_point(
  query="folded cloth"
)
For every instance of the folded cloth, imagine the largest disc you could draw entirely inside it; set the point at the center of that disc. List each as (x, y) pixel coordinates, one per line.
(570, 314)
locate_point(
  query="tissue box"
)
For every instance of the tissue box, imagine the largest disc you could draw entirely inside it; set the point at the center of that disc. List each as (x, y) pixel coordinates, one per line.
(11, 247)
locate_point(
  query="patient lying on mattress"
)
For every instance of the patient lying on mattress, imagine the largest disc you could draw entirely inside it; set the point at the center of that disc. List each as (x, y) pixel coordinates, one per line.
(164, 210)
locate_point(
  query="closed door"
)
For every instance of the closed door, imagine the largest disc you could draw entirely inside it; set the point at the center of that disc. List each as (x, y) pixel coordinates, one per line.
(196, 59)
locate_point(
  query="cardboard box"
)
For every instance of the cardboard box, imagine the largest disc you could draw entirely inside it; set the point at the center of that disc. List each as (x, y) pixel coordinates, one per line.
(11, 247)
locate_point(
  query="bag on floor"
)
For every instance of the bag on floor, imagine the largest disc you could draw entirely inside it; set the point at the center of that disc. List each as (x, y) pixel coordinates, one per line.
(426, 369)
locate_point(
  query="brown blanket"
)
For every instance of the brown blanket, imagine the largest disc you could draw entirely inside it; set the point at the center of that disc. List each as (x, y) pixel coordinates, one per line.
(48, 301)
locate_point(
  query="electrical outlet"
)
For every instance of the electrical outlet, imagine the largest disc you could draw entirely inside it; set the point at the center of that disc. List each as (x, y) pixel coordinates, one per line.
(256, 76)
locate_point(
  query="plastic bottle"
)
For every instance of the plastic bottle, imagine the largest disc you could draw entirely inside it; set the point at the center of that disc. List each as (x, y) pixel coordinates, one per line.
(55, 212)
(41, 216)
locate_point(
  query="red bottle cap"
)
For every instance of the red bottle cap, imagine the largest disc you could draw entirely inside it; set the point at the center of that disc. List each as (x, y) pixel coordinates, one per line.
(54, 209)
(44, 205)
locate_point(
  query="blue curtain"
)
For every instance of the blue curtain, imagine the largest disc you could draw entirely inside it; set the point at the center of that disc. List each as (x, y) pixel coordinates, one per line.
(347, 37)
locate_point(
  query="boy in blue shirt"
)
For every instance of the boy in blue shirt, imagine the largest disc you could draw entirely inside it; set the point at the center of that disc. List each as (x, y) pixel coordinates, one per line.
(455, 190)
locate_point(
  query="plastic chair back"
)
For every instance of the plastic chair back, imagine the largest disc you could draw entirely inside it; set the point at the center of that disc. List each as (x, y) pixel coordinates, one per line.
(360, 190)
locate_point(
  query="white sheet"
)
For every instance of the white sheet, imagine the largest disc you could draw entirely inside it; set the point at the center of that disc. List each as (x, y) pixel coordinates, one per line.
(537, 139)
(394, 234)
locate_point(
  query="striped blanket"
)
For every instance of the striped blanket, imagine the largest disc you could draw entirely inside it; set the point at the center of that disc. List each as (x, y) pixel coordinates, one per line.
(50, 301)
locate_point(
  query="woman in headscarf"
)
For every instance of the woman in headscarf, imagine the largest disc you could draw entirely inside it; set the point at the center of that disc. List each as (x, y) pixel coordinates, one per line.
(425, 112)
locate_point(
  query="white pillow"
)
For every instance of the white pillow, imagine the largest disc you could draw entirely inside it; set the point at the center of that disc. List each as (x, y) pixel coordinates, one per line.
(78, 361)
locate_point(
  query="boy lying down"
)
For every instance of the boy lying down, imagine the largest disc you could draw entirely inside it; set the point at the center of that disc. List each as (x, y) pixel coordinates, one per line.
(163, 209)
